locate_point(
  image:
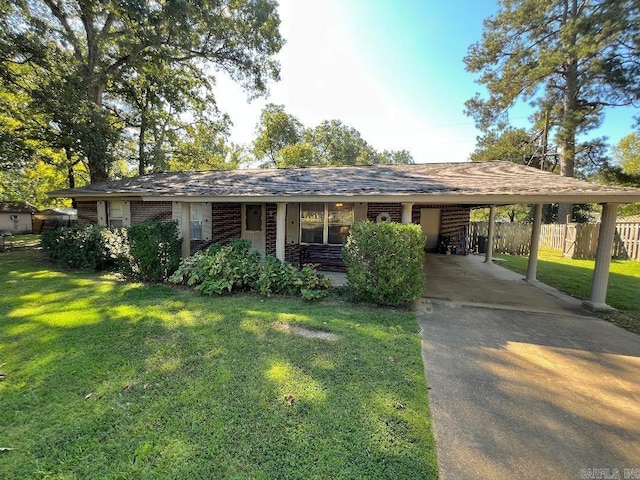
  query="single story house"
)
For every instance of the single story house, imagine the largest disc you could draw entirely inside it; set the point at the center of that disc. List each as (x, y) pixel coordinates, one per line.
(283, 211)
(16, 217)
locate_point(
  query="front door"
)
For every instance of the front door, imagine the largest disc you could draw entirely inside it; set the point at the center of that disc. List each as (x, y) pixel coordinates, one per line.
(430, 224)
(253, 225)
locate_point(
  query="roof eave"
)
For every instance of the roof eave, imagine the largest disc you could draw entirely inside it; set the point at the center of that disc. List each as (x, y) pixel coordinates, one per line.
(431, 198)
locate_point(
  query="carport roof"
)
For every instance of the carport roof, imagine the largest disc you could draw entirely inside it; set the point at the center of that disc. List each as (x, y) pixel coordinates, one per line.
(433, 183)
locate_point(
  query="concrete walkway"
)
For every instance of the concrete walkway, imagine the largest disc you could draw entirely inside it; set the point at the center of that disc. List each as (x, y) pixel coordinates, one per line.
(524, 384)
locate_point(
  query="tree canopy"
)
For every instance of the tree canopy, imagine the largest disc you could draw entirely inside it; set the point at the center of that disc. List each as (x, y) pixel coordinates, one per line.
(283, 141)
(92, 69)
(568, 58)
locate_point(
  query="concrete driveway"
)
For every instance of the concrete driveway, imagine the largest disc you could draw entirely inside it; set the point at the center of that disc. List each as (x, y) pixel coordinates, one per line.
(523, 383)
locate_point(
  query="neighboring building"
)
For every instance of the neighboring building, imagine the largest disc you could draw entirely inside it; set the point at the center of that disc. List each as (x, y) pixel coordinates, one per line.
(282, 211)
(16, 217)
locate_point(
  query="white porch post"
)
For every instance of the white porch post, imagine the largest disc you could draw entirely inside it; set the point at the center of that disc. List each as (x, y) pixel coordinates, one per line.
(406, 212)
(597, 300)
(185, 228)
(532, 267)
(492, 220)
(281, 230)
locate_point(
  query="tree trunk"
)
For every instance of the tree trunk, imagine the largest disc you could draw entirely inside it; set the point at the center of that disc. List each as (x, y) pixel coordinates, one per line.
(568, 127)
(71, 177)
(97, 149)
(142, 160)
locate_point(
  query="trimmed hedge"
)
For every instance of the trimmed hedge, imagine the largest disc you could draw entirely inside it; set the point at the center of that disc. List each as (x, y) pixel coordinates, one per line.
(385, 262)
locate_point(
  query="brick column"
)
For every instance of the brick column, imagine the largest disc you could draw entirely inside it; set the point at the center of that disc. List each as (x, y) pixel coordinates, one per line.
(281, 230)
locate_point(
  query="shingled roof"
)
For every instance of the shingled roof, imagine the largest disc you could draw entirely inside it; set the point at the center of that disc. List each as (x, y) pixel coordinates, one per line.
(16, 207)
(466, 183)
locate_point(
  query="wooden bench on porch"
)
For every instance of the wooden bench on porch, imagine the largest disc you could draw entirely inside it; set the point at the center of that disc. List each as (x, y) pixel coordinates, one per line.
(328, 256)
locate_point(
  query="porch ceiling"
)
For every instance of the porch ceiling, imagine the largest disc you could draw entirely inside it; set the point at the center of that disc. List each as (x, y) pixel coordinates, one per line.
(434, 183)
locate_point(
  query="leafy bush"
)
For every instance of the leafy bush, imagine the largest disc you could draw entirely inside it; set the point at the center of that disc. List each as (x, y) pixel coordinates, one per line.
(154, 250)
(276, 277)
(385, 262)
(87, 246)
(234, 267)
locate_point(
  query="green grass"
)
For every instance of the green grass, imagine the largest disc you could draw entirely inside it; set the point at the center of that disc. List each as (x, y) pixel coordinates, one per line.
(573, 276)
(22, 241)
(107, 379)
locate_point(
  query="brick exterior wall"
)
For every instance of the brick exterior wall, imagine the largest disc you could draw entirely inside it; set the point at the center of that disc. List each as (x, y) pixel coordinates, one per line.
(292, 253)
(271, 211)
(87, 212)
(150, 211)
(393, 209)
(454, 219)
(226, 222)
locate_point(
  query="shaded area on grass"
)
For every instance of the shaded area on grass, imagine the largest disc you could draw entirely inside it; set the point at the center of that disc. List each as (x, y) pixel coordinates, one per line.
(122, 380)
(573, 276)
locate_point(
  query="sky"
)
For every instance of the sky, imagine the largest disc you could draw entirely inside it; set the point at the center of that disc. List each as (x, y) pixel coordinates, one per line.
(392, 69)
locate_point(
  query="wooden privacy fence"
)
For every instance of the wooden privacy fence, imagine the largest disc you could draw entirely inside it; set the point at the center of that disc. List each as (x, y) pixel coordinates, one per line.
(576, 240)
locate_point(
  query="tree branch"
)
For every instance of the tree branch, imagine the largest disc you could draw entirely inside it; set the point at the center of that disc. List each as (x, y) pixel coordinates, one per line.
(64, 21)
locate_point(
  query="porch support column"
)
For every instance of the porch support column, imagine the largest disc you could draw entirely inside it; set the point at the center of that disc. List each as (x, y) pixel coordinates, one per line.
(492, 220)
(185, 228)
(532, 267)
(406, 212)
(281, 230)
(597, 300)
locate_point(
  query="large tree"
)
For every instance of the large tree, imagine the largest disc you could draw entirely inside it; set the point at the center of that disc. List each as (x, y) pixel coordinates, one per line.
(92, 47)
(283, 141)
(569, 58)
(276, 130)
(513, 145)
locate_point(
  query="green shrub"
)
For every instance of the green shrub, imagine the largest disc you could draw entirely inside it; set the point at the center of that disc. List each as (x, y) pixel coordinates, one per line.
(87, 246)
(385, 262)
(154, 250)
(276, 277)
(234, 267)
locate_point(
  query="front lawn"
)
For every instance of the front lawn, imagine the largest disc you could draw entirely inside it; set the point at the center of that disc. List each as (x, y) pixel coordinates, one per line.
(107, 379)
(574, 277)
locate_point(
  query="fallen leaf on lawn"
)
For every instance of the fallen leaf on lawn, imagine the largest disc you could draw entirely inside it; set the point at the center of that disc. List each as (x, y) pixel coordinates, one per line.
(3, 376)
(399, 406)
(289, 398)
(88, 396)
(6, 449)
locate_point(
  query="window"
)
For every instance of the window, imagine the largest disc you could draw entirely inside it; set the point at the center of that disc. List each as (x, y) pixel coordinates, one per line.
(196, 220)
(325, 222)
(116, 214)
